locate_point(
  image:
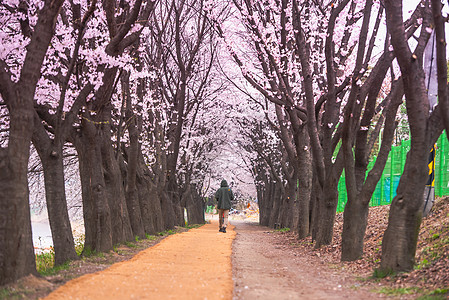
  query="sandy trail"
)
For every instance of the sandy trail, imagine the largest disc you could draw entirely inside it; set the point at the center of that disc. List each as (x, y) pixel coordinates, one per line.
(192, 265)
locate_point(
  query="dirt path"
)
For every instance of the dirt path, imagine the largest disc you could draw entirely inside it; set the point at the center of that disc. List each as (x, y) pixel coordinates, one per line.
(197, 265)
(190, 265)
(264, 269)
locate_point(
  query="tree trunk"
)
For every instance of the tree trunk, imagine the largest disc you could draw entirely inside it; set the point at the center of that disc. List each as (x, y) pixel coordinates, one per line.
(58, 215)
(131, 193)
(277, 201)
(51, 156)
(362, 188)
(265, 203)
(195, 207)
(327, 208)
(168, 212)
(401, 236)
(150, 202)
(144, 198)
(16, 243)
(96, 213)
(114, 189)
(304, 193)
(354, 227)
(314, 210)
(175, 199)
(292, 209)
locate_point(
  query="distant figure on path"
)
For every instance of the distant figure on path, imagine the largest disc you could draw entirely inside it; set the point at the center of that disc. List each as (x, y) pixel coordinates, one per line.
(224, 197)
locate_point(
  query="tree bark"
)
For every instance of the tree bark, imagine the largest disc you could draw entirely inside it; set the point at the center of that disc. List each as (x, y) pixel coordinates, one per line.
(16, 244)
(277, 201)
(265, 202)
(96, 212)
(150, 203)
(194, 206)
(114, 189)
(132, 199)
(327, 201)
(53, 165)
(357, 207)
(304, 188)
(400, 238)
(131, 194)
(441, 62)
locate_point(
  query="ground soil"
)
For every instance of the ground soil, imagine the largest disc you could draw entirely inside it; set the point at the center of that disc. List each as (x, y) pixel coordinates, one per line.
(266, 268)
(266, 264)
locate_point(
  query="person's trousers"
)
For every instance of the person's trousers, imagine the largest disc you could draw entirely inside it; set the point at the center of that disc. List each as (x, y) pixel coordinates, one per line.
(223, 217)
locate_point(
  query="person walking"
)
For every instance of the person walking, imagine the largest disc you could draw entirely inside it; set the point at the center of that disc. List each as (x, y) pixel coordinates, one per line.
(224, 196)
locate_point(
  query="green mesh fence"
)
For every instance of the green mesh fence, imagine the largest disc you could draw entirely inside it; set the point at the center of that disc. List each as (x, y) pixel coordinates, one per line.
(386, 187)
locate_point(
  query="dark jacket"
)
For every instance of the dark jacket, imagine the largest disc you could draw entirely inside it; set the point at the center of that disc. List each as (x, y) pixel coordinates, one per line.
(224, 196)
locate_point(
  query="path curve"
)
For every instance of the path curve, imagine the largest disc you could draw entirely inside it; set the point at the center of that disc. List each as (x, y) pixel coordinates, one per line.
(191, 265)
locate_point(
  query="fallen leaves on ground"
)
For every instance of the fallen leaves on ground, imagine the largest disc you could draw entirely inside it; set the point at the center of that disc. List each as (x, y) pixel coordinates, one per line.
(432, 256)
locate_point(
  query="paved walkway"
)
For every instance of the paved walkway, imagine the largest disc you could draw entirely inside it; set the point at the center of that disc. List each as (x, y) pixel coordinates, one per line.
(192, 265)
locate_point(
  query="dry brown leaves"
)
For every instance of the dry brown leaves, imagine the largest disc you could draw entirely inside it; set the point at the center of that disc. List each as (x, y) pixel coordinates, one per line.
(432, 256)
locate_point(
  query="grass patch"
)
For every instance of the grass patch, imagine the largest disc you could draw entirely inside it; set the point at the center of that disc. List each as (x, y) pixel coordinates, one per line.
(79, 244)
(194, 226)
(54, 270)
(150, 237)
(380, 273)
(362, 279)
(45, 264)
(131, 245)
(8, 293)
(398, 291)
(166, 232)
(45, 261)
(435, 295)
(334, 266)
(422, 264)
(87, 252)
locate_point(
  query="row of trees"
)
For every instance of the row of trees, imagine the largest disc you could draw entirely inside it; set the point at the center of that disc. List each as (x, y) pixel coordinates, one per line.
(125, 90)
(129, 90)
(330, 78)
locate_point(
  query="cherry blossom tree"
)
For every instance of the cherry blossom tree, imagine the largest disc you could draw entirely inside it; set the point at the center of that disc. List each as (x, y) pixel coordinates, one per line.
(272, 73)
(100, 49)
(31, 26)
(441, 61)
(49, 143)
(182, 52)
(267, 163)
(400, 238)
